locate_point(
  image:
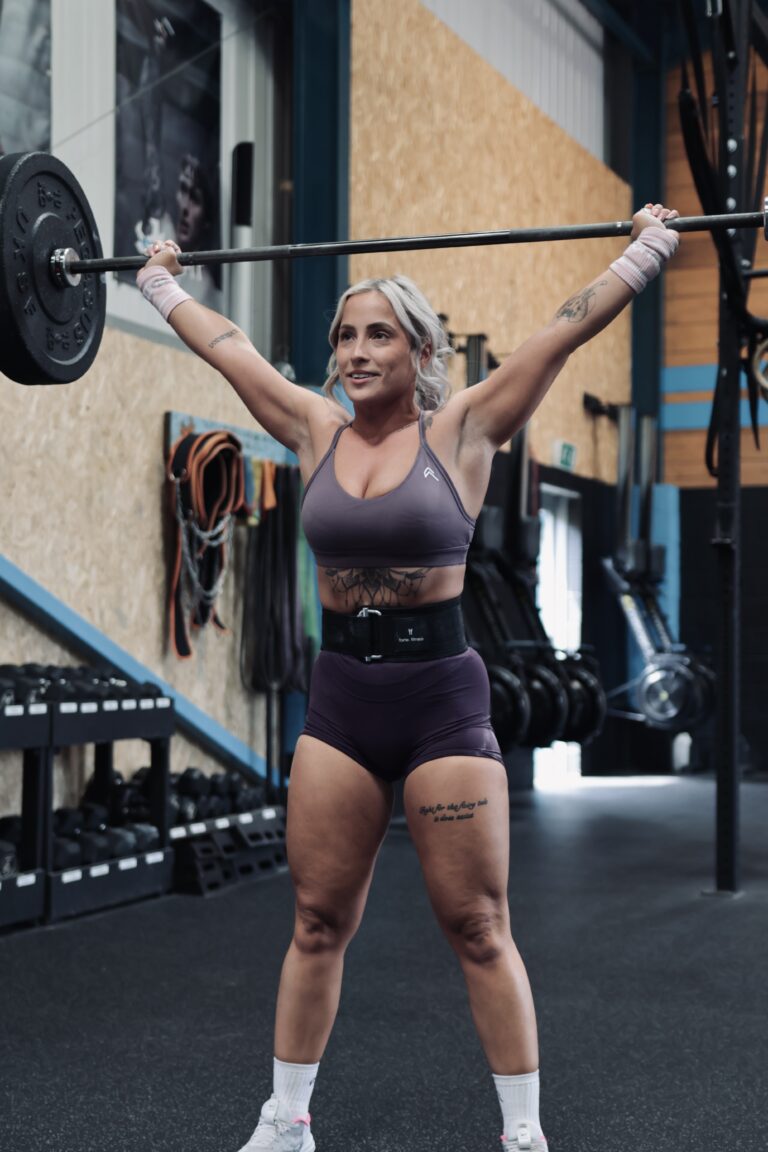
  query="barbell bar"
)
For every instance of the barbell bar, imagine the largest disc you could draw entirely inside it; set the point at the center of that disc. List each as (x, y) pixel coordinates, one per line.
(67, 263)
(53, 292)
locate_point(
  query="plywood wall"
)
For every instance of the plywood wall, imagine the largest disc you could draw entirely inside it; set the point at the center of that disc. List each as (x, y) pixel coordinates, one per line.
(691, 285)
(83, 511)
(441, 142)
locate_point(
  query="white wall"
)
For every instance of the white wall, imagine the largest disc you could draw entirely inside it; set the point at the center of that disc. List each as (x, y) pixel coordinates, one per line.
(551, 50)
(83, 132)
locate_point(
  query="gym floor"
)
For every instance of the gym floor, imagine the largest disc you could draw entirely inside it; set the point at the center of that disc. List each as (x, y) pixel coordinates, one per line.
(149, 1028)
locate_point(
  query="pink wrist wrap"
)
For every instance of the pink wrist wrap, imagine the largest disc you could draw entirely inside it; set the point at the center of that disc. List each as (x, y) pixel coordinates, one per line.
(159, 287)
(644, 257)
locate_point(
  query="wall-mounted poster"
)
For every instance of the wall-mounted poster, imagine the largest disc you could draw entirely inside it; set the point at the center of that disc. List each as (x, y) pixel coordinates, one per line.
(25, 76)
(167, 132)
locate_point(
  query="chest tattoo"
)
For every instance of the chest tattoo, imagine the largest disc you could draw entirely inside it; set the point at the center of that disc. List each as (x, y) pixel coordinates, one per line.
(378, 587)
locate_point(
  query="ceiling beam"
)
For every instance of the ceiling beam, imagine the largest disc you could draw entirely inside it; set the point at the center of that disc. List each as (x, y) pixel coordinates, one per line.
(618, 27)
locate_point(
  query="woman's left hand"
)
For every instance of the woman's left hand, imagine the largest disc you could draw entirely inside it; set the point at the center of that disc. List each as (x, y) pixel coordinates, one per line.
(651, 215)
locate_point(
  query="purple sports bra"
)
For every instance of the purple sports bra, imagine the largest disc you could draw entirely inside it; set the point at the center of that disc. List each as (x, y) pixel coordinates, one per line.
(420, 524)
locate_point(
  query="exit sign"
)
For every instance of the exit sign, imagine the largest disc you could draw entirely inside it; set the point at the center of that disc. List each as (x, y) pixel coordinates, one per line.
(564, 455)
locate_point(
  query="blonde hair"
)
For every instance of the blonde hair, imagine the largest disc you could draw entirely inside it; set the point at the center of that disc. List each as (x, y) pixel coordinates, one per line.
(421, 325)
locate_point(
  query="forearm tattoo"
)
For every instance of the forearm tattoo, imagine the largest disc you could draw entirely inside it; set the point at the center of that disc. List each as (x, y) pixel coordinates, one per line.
(450, 813)
(224, 336)
(376, 586)
(578, 307)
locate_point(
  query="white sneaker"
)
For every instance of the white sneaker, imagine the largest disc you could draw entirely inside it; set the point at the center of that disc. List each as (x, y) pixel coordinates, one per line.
(280, 1132)
(524, 1141)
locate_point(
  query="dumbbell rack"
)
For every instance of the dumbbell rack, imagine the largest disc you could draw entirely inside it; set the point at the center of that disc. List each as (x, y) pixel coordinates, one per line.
(218, 852)
(89, 887)
(40, 892)
(26, 729)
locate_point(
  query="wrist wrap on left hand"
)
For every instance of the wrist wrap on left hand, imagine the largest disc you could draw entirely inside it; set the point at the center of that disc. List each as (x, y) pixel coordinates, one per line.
(646, 256)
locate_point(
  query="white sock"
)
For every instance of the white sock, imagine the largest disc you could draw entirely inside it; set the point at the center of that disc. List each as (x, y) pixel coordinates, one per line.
(293, 1084)
(519, 1099)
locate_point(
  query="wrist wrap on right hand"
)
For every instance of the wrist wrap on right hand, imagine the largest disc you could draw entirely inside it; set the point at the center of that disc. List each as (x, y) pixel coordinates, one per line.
(159, 286)
(645, 257)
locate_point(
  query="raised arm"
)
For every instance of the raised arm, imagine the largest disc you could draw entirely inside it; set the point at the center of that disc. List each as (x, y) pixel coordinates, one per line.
(282, 408)
(498, 406)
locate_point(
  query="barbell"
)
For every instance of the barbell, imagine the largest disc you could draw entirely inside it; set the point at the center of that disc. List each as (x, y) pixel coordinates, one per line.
(53, 292)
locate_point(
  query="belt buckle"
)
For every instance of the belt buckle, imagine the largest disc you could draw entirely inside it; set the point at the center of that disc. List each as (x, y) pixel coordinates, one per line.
(365, 612)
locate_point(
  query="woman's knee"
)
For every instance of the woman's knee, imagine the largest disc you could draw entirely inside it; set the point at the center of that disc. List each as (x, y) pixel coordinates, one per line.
(479, 933)
(324, 925)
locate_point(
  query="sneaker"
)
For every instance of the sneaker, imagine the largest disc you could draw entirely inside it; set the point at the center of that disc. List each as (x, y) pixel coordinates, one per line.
(277, 1132)
(524, 1142)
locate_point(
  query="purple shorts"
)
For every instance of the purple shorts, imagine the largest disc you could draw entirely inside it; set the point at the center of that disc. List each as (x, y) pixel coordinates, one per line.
(391, 717)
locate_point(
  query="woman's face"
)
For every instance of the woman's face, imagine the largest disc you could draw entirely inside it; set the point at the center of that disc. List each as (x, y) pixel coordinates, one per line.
(372, 351)
(190, 205)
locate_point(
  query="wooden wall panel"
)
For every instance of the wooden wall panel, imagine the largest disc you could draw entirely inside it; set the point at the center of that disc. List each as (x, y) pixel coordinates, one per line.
(691, 285)
(684, 462)
(441, 142)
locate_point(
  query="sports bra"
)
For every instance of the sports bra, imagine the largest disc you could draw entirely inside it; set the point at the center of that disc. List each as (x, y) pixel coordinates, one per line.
(421, 523)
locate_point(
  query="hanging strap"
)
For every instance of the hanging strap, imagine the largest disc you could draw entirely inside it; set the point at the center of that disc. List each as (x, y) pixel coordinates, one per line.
(273, 652)
(207, 481)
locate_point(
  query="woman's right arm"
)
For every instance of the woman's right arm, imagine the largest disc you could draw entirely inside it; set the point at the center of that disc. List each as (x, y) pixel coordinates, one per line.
(282, 408)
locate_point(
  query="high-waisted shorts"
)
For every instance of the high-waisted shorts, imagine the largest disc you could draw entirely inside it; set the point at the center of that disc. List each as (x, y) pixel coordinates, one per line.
(391, 717)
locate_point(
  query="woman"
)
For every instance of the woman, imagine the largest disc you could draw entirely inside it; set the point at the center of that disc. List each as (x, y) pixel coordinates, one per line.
(390, 504)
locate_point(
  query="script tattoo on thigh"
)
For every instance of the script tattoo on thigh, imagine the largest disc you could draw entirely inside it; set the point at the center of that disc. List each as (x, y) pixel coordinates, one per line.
(578, 307)
(449, 813)
(376, 586)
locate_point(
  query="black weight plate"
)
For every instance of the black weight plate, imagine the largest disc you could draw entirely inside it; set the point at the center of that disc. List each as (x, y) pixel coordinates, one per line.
(510, 706)
(549, 706)
(51, 335)
(587, 704)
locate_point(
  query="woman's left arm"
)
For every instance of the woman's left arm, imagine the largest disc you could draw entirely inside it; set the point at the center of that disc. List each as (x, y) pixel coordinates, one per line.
(499, 405)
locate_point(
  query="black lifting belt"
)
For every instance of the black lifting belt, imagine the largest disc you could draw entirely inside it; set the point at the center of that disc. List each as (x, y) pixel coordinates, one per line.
(374, 634)
(206, 472)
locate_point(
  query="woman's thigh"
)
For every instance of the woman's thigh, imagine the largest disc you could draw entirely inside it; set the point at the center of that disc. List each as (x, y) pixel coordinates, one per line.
(338, 815)
(458, 815)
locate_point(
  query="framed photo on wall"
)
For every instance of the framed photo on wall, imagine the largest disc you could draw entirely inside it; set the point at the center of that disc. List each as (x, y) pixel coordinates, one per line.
(25, 76)
(168, 133)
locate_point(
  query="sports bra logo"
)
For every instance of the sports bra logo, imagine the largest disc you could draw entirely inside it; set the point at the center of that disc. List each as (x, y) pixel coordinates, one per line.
(429, 472)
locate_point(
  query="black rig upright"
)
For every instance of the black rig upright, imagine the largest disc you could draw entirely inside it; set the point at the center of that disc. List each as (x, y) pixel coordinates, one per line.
(728, 171)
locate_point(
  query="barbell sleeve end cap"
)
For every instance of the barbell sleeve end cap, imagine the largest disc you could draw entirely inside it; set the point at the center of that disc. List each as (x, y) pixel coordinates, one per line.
(61, 271)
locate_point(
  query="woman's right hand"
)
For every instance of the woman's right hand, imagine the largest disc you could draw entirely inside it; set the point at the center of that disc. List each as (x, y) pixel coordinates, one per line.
(165, 254)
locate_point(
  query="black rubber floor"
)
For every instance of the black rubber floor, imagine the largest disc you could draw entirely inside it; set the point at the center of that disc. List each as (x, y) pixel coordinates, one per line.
(149, 1028)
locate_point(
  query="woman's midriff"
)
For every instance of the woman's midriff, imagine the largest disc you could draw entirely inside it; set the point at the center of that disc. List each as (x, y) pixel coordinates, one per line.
(350, 589)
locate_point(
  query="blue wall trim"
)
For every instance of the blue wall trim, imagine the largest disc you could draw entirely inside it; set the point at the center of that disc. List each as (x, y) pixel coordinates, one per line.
(72, 630)
(695, 416)
(691, 378)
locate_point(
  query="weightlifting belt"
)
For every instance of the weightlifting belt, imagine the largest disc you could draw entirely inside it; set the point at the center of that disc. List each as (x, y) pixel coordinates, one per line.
(206, 471)
(375, 634)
